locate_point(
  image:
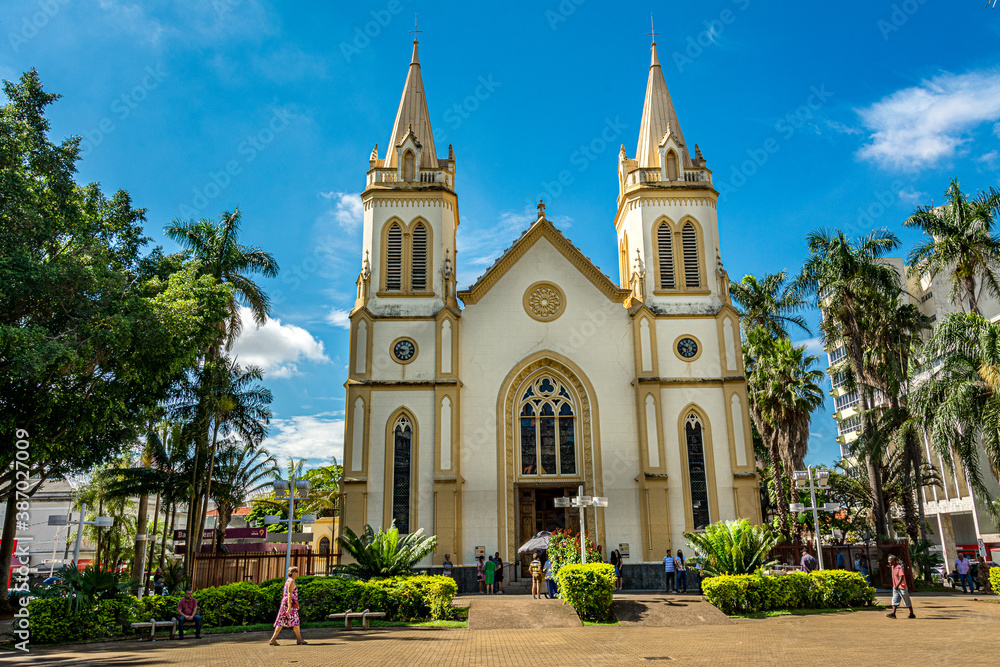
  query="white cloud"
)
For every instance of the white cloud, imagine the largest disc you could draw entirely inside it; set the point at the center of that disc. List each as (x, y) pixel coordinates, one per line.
(924, 125)
(339, 318)
(315, 437)
(814, 347)
(277, 348)
(911, 195)
(989, 159)
(349, 212)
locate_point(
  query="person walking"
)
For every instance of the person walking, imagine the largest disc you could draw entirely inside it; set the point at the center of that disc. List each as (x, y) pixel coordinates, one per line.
(671, 570)
(491, 569)
(615, 559)
(481, 575)
(536, 577)
(809, 562)
(682, 576)
(448, 568)
(499, 573)
(158, 581)
(288, 610)
(187, 610)
(550, 583)
(861, 565)
(964, 567)
(900, 591)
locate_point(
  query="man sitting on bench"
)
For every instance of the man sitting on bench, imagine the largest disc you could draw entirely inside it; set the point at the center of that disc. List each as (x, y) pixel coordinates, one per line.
(187, 610)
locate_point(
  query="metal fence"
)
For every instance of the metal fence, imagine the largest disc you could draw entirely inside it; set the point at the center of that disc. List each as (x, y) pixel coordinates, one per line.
(219, 569)
(877, 555)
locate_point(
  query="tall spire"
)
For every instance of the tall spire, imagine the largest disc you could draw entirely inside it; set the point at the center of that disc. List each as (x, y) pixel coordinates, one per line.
(658, 115)
(412, 114)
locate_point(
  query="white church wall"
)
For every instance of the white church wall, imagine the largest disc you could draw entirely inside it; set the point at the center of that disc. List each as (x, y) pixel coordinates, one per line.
(708, 363)
(497, 334)
(386, 332)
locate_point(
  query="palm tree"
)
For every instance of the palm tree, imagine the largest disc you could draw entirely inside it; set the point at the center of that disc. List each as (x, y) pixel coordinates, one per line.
(769, 303)
(383, 553)
(784, 391)
(960, 242)
(959, 401)
(734, 547)
(217, 247)
(848, 277)
(242, 471)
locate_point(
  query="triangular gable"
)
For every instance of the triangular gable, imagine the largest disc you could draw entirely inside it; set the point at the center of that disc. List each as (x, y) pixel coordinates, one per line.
(543, 229)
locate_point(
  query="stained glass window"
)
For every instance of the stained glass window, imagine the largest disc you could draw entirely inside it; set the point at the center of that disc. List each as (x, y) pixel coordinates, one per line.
(403, 434)
(547, 428)
(697, 475)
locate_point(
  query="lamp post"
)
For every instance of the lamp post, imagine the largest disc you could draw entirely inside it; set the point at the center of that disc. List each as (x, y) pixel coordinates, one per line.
(100, 522)
(806, 479)
(290, 488)
(582, 502)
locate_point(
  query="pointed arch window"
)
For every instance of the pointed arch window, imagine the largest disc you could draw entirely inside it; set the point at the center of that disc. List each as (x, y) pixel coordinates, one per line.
(665, 253)
(402, 433)
(394, 258)
(418, 268)
(547, 429)
(689, 241)
(697, 474)
(409, 169)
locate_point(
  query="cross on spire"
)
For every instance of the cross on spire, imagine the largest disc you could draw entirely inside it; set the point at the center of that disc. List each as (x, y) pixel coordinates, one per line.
(541, 209)
(652, 33)
(415, 31)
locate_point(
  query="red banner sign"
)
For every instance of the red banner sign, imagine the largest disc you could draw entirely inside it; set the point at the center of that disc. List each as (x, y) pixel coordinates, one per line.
(180, 535)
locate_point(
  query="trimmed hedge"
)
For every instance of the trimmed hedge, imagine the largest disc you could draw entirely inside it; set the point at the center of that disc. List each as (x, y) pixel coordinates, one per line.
(995, 579)
(401, 598)
(589, 588)
(825, 589)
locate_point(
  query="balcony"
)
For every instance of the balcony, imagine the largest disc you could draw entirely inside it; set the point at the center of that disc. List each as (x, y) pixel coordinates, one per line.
(382, 176)
(655, 176)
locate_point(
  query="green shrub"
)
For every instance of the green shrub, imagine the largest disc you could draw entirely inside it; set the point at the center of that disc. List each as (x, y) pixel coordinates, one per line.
(995, 579)
(233, 604)
(734, 547)
(321, 597)
(589, 588)
(748, 593)
(440, 593)
(160, 607)
(51, 623)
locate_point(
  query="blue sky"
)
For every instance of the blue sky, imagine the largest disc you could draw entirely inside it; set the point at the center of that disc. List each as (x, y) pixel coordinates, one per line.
(828, 115)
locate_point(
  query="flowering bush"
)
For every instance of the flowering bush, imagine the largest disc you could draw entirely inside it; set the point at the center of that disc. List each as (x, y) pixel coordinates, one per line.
(564, 549)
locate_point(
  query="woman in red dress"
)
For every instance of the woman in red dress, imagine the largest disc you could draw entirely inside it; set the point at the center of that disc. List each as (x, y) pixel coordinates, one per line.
(288, 612)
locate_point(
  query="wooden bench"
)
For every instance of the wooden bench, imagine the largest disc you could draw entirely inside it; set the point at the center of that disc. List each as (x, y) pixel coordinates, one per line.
(350, 616)
(155, 625)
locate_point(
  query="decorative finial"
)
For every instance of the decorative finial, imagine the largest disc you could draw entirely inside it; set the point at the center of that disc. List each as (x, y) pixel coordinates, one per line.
(541, 209)
(652, 31)
(415, 31)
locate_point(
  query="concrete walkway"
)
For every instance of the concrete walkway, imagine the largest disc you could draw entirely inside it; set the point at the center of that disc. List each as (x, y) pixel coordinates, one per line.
(949, 630)
(515, 612)
(666, 611)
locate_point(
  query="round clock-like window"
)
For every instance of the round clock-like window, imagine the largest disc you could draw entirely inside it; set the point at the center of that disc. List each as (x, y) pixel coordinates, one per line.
(687, 348)
(404, 350)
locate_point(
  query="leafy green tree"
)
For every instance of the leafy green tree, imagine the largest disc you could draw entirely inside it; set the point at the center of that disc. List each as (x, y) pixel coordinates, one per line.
(383, 553)
(848, 278)
(92, 332)
(324, 494)
(961, 242)
(734, 547)
(770, 303)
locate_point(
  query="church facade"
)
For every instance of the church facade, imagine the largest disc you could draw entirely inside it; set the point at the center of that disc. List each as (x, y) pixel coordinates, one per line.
(470, 410)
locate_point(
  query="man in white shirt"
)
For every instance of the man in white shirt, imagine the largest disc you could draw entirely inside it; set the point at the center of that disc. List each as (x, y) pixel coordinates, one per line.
(964, 567)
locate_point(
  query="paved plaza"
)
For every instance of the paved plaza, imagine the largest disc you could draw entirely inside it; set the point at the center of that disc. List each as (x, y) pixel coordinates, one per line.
(950, 630)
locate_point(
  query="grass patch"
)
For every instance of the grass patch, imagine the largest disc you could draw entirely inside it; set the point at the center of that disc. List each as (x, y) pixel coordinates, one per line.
(601, 623)
(805, 612)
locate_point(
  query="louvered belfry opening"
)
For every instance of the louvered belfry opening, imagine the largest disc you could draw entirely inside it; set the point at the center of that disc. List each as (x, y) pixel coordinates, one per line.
(394, 259)
(418, 273)
(692, 273)
(665, 247)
